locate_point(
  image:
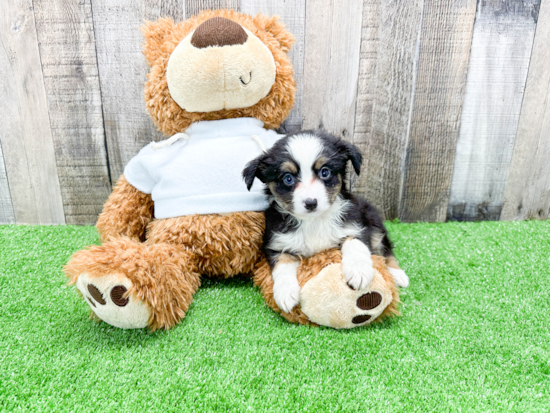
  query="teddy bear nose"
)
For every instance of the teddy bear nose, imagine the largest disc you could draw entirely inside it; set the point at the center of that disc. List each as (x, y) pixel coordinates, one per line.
(218, 31)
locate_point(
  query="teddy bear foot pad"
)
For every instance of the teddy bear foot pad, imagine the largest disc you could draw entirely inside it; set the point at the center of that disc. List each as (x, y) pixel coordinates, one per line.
(344, 307)
(106, 296)
(368, 301)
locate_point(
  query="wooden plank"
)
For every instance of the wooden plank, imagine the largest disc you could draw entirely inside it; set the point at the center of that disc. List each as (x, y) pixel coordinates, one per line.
(331, 65)
(499, 60)
(194, 7)
(390, 35)
(122, 70)
(443, 57)
(6, 207)
(527, 194)
(154, 9)
(11, 128)
(67, 50)
(25, 135)
(293, 14)
(366, 82)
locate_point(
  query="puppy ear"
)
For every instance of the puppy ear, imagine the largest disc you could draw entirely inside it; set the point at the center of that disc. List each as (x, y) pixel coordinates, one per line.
(353, 154)
(254, 169)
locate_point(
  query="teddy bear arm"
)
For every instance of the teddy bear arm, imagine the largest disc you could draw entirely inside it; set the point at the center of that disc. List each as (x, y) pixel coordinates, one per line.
(126, 213)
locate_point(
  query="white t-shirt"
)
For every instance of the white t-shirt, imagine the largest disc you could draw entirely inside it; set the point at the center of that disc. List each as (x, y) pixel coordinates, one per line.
(203, 175)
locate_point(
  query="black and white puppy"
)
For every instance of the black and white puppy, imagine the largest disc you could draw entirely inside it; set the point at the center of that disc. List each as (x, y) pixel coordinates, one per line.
(312, 210)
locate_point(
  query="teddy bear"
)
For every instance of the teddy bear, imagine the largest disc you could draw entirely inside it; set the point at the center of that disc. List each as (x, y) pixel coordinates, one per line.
(219, 83)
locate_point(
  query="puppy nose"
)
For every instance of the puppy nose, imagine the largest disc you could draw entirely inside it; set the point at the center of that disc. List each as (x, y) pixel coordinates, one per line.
(310, 204)
(218, 31)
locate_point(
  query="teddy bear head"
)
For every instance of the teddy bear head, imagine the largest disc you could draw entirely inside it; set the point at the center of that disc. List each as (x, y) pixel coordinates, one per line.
(218, 65)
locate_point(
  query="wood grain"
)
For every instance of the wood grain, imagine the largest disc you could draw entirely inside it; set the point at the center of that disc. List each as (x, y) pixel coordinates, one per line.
(389, 39)
(368, 62)
(439, 93)
(292, 13)
(194, 7)
(68, 56)
(6, 207)
(499, 60)
(527, 194)
(154, 9)
(122, 70)
(25, 135)
(11, 129)
(453, 118)
(331, 65)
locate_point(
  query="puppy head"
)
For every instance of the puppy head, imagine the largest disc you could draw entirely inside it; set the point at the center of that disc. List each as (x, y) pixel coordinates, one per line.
(304, 172)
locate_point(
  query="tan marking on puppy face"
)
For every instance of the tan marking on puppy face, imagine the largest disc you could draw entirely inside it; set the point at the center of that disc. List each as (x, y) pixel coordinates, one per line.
(284, 200)
(288, 166)
(272, 186)
(334, 191)
(320, 162)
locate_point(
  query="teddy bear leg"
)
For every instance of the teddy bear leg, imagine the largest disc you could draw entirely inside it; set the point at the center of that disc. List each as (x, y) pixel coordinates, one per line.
(132, 285)
(327, 299)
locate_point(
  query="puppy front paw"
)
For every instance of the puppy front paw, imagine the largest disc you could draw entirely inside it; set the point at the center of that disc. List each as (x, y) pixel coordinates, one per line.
(286, 294)
(358, 274)
(399, 276)
(286, 290)
(357, 264)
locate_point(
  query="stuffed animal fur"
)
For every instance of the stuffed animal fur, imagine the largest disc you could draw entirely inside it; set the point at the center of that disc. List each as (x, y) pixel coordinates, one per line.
(325, 297)
(148, 269)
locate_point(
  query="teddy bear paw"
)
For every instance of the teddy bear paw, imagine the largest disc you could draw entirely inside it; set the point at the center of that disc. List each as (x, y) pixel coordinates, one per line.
(343, 307)
(107, 297)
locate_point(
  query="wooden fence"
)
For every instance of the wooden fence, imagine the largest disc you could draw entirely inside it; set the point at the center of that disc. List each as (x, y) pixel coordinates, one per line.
(448, 100)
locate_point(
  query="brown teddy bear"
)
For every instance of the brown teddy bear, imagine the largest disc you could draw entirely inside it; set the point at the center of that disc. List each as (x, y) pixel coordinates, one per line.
(218, 83)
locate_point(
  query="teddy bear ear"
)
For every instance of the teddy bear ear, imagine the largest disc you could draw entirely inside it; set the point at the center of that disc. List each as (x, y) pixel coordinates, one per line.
(155, 34)
(278, 31)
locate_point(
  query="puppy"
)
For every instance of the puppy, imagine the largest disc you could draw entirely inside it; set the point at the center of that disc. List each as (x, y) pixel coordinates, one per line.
(312, 210)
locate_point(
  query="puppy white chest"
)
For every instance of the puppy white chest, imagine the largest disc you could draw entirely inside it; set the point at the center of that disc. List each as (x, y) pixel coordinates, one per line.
(311, 237)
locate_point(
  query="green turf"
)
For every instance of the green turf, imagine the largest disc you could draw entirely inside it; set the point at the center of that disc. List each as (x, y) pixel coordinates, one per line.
(474, 335)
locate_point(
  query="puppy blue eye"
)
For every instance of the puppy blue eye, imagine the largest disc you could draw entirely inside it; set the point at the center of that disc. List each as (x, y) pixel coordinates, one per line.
(288, 179)
(324, 173)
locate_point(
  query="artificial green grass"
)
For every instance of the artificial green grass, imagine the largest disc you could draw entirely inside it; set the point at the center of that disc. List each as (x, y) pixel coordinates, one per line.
(474, 335)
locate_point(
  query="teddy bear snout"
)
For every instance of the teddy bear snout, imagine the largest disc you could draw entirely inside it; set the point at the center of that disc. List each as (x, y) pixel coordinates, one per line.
(221, 65)
(218, 31)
